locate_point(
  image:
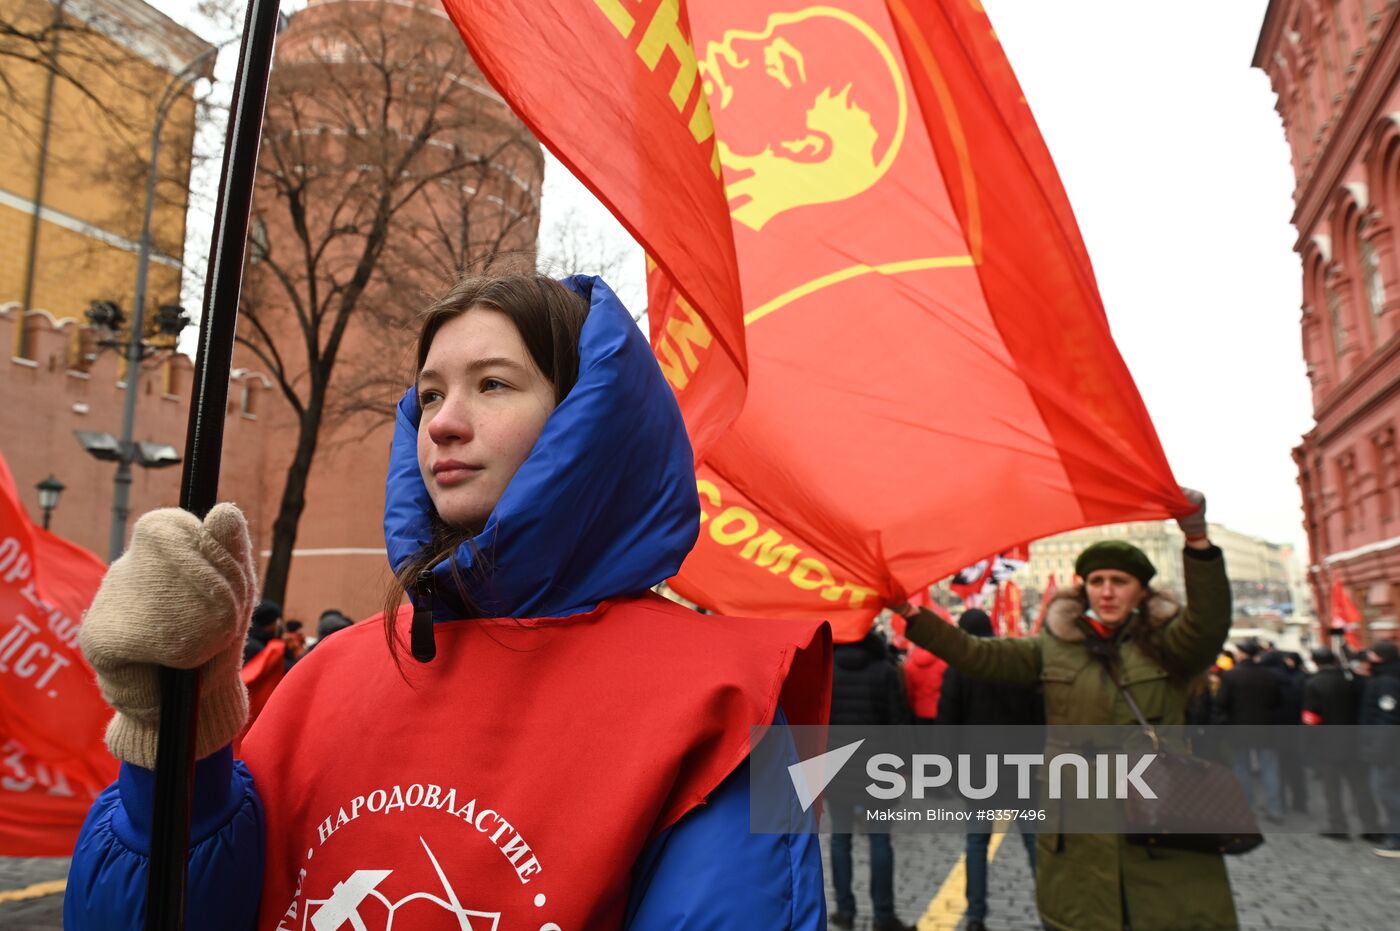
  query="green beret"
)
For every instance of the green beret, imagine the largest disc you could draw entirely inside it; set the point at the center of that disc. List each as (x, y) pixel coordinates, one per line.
(1115, 554)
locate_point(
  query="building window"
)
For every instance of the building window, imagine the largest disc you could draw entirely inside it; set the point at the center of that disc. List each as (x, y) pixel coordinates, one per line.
(1371, 272)
(1348, 479)
(248, 402)
(1334, 313)
(1383, 447)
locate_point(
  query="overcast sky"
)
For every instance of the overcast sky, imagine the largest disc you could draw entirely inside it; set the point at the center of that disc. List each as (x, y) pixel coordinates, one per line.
(1177, 168)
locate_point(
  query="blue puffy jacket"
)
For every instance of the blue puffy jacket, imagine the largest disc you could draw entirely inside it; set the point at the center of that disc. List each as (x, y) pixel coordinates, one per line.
(706, 871)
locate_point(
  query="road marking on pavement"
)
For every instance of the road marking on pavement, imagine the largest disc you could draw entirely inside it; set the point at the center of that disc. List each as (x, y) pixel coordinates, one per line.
(948, 905)
(38, 890)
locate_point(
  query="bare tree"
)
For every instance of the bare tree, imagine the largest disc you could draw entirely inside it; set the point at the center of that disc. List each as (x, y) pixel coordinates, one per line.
(62, 47)
(571, 245)
(387, 165)
(84, 83)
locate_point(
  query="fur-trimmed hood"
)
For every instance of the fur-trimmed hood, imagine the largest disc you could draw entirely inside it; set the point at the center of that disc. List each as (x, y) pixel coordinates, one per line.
(1065, 610)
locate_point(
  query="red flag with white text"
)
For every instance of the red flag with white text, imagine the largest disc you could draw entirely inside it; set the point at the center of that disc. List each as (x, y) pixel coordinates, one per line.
(850, 205)
(53, 761)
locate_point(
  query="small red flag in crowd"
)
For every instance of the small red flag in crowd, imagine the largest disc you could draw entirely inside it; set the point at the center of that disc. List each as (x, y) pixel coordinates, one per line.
(1009, 606)
(1046, 597)
(1345, 615)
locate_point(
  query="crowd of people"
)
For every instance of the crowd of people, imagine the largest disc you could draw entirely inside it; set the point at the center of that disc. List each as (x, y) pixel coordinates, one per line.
(1255, 685)
(1269, 694)
(268, 624)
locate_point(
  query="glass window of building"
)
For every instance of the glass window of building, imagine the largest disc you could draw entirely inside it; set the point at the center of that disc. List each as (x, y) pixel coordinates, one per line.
(1371, 272)
(1334, 312)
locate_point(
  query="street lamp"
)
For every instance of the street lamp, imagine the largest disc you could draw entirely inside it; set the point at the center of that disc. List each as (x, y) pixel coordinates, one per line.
(107, 448)
(171, 319)
(49, 490)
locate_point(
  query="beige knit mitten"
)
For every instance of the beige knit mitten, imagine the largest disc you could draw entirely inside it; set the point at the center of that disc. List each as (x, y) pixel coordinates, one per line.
(180, 596)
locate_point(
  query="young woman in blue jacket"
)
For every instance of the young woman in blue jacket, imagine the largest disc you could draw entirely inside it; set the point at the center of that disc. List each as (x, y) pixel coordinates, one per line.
(537, 741)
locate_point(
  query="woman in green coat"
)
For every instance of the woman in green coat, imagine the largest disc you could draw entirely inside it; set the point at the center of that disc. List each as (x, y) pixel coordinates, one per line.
(1096, 882)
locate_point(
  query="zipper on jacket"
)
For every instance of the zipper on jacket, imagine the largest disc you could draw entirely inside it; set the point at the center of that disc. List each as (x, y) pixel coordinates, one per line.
(421, 641)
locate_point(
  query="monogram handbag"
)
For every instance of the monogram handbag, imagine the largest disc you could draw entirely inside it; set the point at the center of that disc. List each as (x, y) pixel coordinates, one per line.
(1200, 805)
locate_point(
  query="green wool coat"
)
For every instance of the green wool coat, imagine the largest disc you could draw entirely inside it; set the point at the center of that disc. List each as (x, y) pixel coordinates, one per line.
(1083, 881)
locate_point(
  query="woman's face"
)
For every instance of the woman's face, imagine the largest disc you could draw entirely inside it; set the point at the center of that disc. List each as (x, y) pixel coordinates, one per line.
(1113, 594)
(484, 404)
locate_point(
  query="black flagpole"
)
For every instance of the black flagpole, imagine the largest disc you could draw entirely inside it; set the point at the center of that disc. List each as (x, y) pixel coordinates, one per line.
(199, 487)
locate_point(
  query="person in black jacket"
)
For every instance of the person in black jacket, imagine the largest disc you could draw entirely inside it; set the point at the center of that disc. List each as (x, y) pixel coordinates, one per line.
(1380, 741)
(972, 701)
(1289, 668)
(1332, 700)
(865, 689)
(263, 629)
(1252, 695)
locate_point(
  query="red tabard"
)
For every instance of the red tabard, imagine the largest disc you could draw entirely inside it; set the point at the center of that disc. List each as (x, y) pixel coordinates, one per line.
(513, 781)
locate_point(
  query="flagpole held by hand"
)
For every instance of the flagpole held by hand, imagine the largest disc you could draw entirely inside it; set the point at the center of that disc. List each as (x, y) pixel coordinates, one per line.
(165, 890)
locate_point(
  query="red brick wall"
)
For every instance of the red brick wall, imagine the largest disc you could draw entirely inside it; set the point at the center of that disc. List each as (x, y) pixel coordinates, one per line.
(45, 401)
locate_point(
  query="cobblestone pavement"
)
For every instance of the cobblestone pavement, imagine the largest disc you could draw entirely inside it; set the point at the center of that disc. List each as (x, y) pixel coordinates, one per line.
(1292, 883)
(42, 910)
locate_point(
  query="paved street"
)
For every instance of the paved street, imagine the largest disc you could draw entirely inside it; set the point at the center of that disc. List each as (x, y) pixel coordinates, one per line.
(31, 893)
(1292, 883)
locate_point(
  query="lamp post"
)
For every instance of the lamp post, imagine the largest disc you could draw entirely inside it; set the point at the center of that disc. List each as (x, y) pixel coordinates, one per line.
(121, 484)
(49, 490)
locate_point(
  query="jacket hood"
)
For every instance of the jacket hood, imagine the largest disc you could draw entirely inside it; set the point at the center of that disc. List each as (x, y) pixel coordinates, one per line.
(861, 653)
(603, 506)
(976, 622)
(1062, 617)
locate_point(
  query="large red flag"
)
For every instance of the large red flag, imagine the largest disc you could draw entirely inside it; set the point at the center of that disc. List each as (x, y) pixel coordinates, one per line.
(930, 372)
(932, 376)
(52, 758)
(1345, 615)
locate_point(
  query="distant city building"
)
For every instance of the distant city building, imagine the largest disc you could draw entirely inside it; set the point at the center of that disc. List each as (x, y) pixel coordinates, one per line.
(1259, 573)
(1335, 65)
(75, 149)
(1160, 540)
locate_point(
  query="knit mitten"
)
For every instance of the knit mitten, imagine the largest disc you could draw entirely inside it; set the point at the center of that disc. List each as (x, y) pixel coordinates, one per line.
(1193, 525)
(180, 596)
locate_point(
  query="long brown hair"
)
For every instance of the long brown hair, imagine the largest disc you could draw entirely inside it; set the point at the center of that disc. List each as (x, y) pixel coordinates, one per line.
(549, 318)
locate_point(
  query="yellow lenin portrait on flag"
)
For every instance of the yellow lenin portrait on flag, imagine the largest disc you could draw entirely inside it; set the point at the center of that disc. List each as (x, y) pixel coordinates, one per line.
(829, 110)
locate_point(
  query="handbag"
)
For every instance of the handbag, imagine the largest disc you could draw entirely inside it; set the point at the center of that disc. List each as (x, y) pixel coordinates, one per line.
(1200, 805)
